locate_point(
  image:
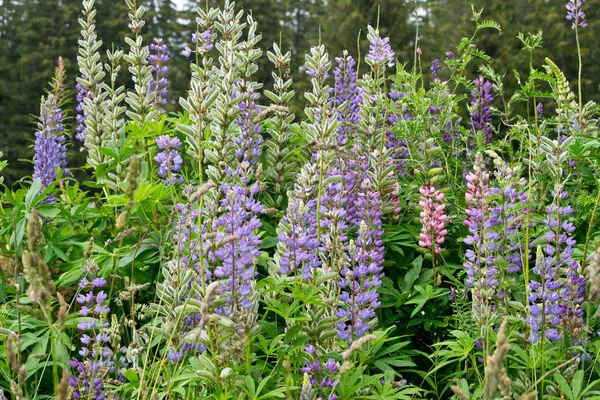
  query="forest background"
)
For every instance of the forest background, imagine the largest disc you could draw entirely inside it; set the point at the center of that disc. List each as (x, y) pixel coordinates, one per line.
(34, 33)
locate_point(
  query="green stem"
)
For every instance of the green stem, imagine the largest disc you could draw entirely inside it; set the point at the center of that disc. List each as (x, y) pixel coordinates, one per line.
(416, 39)
(535, 116)
(579, 76)
(589, 232)
(319, 194)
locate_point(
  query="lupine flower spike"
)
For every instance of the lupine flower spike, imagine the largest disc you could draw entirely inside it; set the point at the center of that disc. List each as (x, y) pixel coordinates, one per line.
(346, 97)
(481, 116)
(359, 297)
(97, 358)
(157, 58)
(435, 69)
(556, 298)
(576, 14)
(433, 219)
(50, 150)
(82, 93)
(380, 52)
(480, 262)
(169, 159)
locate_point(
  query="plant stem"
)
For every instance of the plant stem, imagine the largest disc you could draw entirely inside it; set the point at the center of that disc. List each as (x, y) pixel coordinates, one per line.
(579, 76)
(589, 232)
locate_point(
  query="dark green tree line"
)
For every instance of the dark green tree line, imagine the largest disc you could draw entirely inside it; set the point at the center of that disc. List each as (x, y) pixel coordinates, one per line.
(33, 33)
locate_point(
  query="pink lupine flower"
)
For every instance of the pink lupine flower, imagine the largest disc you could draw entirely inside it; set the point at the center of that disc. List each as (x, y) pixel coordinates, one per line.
(433, 219)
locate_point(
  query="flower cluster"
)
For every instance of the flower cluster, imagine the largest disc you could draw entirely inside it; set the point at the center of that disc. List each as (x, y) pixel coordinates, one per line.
(346, 97)
(433, 219)
(203, 42)
(157, 58)
(380, 52)
(576, 14)
(512, 212)
(359, 297)
(480, 261)
(321, 376)
(481, 114)
(353, 172)
(187, 240)
(307, 393)
(190, 322)
(399, 149)
(169, 158)
(194, 249)
(97, 356)
(249, 142)
(557, 297)
(507, 213)
(82, 93)
(240, 250)
(435, 69)
(50, 150)
(299, 250)
(334, 220)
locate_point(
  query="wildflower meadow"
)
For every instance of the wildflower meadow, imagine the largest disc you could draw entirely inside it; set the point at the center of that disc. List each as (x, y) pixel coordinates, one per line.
(416, 231)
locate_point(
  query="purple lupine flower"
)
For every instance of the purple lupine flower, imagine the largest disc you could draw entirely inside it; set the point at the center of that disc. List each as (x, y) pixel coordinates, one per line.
(353, 172)
(450, 55)
(187, 240)
(451, 135)
(299, 246)
(307, 393)
(507, 211)
(97, 357)
(452, 295)
(82, 93)
(398, 149)
(576, 14)
(433, 219)
(50, 151)
(537, 293)
(169, 159)
(238, 257)
(480, 260)
(557, 298)
(173, 355)
(539, 110)
(157, 58)
(510, 213)
(191, 240)
(321, 375)
(435, 68)
(359, 297)
(481, 115)
(477, 219)
(346, 97)
(205, 44)
(250, 140)
(334, 216)
(380, 52)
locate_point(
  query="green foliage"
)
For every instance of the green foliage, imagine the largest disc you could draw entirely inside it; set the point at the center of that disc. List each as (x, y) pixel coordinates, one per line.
(246, 280)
